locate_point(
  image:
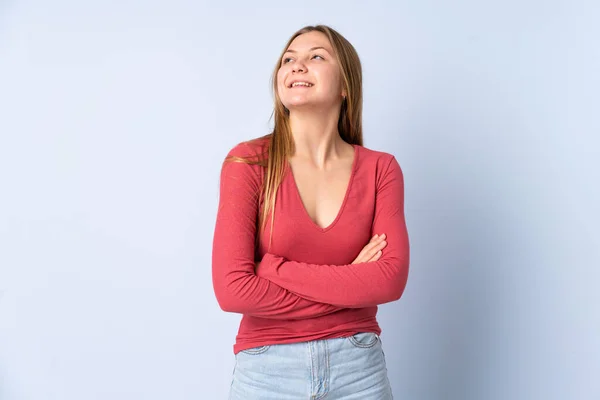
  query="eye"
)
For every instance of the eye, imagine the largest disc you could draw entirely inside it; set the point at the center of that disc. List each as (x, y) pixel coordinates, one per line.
(316, 55)
(285, 60)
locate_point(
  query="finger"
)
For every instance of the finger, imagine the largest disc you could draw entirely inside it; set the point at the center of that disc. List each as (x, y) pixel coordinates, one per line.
(372, 255)
(375, 257)
(375, 242)
(375, 249)
(370, 246)
(367, 253)
(363, 255)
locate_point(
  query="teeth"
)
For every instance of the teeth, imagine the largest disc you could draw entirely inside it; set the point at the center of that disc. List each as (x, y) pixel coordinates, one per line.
(301, 84)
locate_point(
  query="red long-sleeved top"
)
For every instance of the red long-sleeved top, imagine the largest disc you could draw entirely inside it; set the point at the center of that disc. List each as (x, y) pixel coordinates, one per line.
(305, 287)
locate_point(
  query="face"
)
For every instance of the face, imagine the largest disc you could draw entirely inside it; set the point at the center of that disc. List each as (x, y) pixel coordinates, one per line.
(310, 62)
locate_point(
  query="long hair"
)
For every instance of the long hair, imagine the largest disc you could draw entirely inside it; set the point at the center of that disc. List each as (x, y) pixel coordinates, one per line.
(280, 143)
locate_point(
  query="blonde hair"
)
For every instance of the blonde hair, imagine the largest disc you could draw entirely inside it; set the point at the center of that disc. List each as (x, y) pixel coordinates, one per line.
(281, 145)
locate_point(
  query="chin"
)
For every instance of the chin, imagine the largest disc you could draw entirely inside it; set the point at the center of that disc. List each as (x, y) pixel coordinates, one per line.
(298, 104)
(301, 103)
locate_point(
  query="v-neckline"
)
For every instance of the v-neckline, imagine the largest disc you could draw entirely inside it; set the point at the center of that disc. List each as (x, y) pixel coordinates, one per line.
(346, 195)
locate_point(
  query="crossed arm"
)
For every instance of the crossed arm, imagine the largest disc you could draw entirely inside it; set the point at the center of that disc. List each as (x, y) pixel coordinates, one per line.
(286, 289)
(355, 285)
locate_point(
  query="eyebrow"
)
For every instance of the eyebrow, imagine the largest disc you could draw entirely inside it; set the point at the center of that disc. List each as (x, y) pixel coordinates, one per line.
(311, 49)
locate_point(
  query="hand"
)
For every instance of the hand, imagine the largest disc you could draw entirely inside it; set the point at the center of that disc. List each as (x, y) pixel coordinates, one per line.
(372, 251)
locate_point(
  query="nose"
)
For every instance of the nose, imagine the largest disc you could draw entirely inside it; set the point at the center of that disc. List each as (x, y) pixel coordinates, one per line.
(298, 67)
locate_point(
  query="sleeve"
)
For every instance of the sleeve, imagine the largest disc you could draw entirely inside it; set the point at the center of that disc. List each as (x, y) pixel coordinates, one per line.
(356, 285)
(236, 286)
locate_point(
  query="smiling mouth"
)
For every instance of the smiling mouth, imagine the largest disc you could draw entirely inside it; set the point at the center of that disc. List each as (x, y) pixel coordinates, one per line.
(301, 84)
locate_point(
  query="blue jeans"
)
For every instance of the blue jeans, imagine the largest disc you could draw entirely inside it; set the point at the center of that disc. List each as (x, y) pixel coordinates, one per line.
(350, 368)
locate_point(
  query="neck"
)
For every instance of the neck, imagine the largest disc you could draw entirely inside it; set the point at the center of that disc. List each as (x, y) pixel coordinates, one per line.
(316, 137)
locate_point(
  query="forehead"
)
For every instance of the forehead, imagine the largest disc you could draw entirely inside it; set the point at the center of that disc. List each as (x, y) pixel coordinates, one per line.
(309, 40)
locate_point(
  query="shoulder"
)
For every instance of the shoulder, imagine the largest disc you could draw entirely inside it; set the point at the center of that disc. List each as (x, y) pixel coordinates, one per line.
(246, 162)
(377, 161)
(380, 167)
(252, 149)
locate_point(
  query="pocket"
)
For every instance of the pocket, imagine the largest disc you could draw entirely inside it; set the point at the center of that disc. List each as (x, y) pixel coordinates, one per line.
(256, 350)
(364, 339)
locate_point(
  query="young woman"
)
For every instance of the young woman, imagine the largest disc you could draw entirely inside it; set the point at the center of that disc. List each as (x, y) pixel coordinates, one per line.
(324, 217)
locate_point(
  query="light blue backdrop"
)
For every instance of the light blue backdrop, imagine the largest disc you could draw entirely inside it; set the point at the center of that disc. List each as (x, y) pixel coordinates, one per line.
(116, 115)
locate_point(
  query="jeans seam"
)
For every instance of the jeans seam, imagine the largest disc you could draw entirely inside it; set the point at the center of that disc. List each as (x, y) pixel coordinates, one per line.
(326, 377)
